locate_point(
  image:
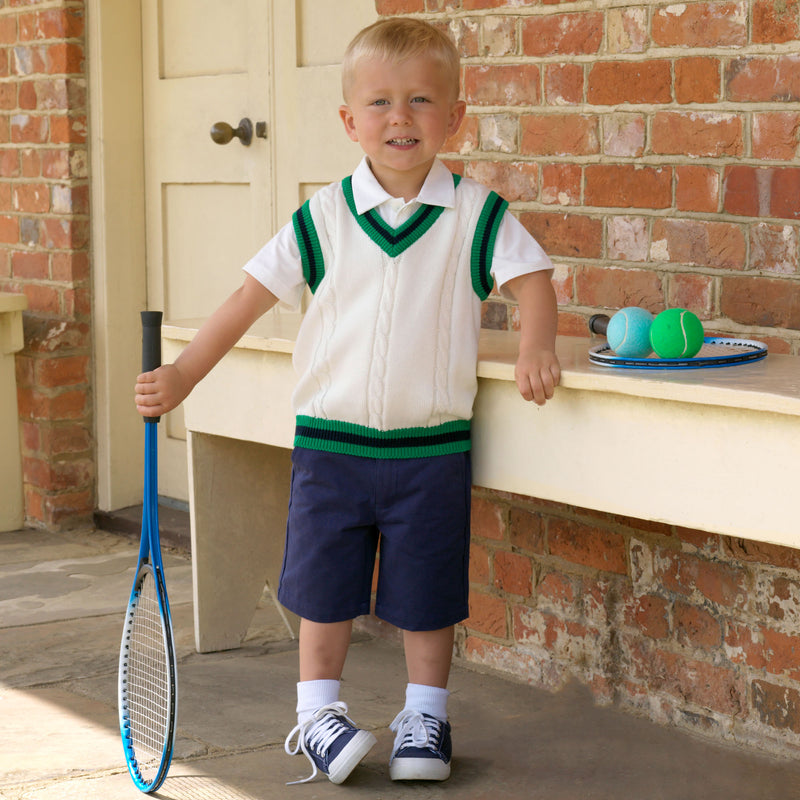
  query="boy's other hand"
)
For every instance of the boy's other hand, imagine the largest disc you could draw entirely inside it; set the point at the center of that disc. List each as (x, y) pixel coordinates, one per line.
(160, 391)
(537, 374)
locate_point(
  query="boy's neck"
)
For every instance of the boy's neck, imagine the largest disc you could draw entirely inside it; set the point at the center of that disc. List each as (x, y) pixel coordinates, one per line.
(407, 184)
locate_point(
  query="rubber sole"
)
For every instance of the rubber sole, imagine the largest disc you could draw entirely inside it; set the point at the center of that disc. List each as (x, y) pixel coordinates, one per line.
(419, 769)
(351, 755)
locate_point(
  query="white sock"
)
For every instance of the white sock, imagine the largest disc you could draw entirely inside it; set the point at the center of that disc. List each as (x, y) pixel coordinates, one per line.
(429, 700)
(312, 695)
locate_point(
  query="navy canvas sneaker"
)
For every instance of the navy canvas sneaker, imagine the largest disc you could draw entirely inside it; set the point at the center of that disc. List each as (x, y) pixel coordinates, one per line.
(422, 748)
(331, 742)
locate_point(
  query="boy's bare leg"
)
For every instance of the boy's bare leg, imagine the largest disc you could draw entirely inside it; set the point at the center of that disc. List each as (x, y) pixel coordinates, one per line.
(429, 655)
(325, 735)
(422, 745)
(323, 649)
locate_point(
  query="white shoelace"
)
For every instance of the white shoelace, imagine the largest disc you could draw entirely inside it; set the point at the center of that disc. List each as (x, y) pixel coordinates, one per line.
(414, 730)
(317, 733)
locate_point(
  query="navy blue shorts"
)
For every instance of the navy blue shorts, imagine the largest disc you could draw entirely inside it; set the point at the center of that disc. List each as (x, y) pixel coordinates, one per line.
(344, 508)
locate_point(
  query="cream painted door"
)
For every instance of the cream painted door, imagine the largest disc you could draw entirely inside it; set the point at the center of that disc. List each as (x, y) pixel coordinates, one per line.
(209, 207)
(309, 136)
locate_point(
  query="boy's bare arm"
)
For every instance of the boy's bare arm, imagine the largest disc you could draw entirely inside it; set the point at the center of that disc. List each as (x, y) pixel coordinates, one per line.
(166, 387)
(537, 371)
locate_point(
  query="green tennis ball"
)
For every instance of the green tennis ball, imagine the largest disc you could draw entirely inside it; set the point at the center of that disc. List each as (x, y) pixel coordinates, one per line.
(676, 333)
(628, 332)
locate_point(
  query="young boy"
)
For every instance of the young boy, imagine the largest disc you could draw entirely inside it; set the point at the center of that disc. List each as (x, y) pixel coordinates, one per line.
(398, 257)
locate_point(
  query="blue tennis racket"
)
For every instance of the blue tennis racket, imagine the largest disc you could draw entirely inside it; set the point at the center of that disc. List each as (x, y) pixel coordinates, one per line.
(717, 351)
(148, 688)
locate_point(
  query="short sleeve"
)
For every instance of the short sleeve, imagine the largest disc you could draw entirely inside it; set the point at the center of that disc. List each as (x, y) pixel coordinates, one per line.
(516, 253)
(278, 267)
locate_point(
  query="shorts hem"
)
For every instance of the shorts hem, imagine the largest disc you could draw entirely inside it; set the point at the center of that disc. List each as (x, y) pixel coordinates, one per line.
(419, 626)
(324, 618)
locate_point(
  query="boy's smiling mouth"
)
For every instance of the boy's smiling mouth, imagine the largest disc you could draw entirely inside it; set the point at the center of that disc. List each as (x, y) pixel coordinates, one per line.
(404, 142)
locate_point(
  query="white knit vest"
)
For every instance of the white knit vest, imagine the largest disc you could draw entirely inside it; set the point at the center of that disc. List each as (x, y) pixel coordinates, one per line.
(387, 352)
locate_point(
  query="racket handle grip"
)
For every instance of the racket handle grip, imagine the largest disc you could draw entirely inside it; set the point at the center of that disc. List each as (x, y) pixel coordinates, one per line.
(151, 345)
(598, 323)
(151, 340)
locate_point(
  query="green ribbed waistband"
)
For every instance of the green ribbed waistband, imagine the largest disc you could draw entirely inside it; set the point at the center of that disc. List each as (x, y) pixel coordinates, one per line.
(334, 436)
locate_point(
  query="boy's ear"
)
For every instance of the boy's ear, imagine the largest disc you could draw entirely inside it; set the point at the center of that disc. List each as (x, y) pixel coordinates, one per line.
(349, 124)
(456, 116)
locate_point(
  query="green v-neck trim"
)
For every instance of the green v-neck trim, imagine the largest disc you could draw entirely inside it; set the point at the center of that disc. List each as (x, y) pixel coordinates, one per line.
(393, 241)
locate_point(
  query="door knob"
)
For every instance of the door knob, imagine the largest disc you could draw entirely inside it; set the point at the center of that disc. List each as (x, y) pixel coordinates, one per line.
(222, 133)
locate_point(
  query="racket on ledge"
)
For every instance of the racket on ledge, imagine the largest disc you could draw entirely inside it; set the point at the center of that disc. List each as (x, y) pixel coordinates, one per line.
(147, 676)
(717, 351)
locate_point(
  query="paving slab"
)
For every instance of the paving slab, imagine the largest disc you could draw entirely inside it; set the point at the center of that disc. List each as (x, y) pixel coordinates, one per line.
(59, 737)
(70, 588)
(41, 545)
(52, 733)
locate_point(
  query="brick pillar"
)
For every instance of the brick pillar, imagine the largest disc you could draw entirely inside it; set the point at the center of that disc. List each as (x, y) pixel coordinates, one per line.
(44, 250)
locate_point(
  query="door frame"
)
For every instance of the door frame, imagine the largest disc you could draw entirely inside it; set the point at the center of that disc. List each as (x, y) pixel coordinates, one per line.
(119, 282)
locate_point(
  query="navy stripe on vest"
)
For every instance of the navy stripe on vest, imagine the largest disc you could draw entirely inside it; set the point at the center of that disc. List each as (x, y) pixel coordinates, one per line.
(483, 244)
(310, 250)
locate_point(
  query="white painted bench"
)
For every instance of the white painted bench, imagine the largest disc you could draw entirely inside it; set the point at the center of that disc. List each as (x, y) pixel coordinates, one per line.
(709, 449)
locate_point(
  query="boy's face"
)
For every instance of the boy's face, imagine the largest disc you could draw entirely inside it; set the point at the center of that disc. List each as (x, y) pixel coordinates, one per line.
(401, 114)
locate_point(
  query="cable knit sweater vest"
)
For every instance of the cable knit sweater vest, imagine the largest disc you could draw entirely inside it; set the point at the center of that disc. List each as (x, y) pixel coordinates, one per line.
(387, 352)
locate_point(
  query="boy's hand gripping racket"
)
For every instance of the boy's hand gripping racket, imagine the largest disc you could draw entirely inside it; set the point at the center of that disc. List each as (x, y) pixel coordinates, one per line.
(717, 351)
(148, 691)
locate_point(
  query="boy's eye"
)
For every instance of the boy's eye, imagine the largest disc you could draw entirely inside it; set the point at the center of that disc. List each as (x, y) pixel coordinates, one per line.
(419, 100)
(380, 102)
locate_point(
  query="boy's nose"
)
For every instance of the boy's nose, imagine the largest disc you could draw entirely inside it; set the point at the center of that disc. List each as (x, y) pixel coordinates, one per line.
(400, 116)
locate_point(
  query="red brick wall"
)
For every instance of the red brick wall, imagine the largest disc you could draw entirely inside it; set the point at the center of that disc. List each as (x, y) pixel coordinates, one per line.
(44, 250)
(652, 150)
(688, 628)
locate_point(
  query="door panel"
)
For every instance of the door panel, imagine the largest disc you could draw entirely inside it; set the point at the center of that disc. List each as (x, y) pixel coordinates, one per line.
(203, 37)
(200, 257)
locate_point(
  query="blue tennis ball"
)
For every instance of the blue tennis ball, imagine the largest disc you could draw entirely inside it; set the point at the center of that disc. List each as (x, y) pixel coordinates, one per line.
(676, 333)
(628, 332)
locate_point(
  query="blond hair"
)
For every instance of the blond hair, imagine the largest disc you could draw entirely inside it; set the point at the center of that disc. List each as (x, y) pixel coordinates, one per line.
(398, 39)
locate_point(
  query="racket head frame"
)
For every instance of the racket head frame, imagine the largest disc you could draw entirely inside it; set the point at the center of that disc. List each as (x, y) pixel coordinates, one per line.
(147, 777)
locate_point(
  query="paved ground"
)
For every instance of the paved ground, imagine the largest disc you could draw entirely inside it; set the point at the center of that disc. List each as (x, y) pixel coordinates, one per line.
(61, 603)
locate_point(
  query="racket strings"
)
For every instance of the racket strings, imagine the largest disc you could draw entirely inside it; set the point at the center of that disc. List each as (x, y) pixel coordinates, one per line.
(708, 350)
(724, 349)
(147, 682)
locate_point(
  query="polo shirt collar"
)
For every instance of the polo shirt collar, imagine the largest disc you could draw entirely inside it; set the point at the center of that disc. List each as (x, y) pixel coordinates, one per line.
(438, 189)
